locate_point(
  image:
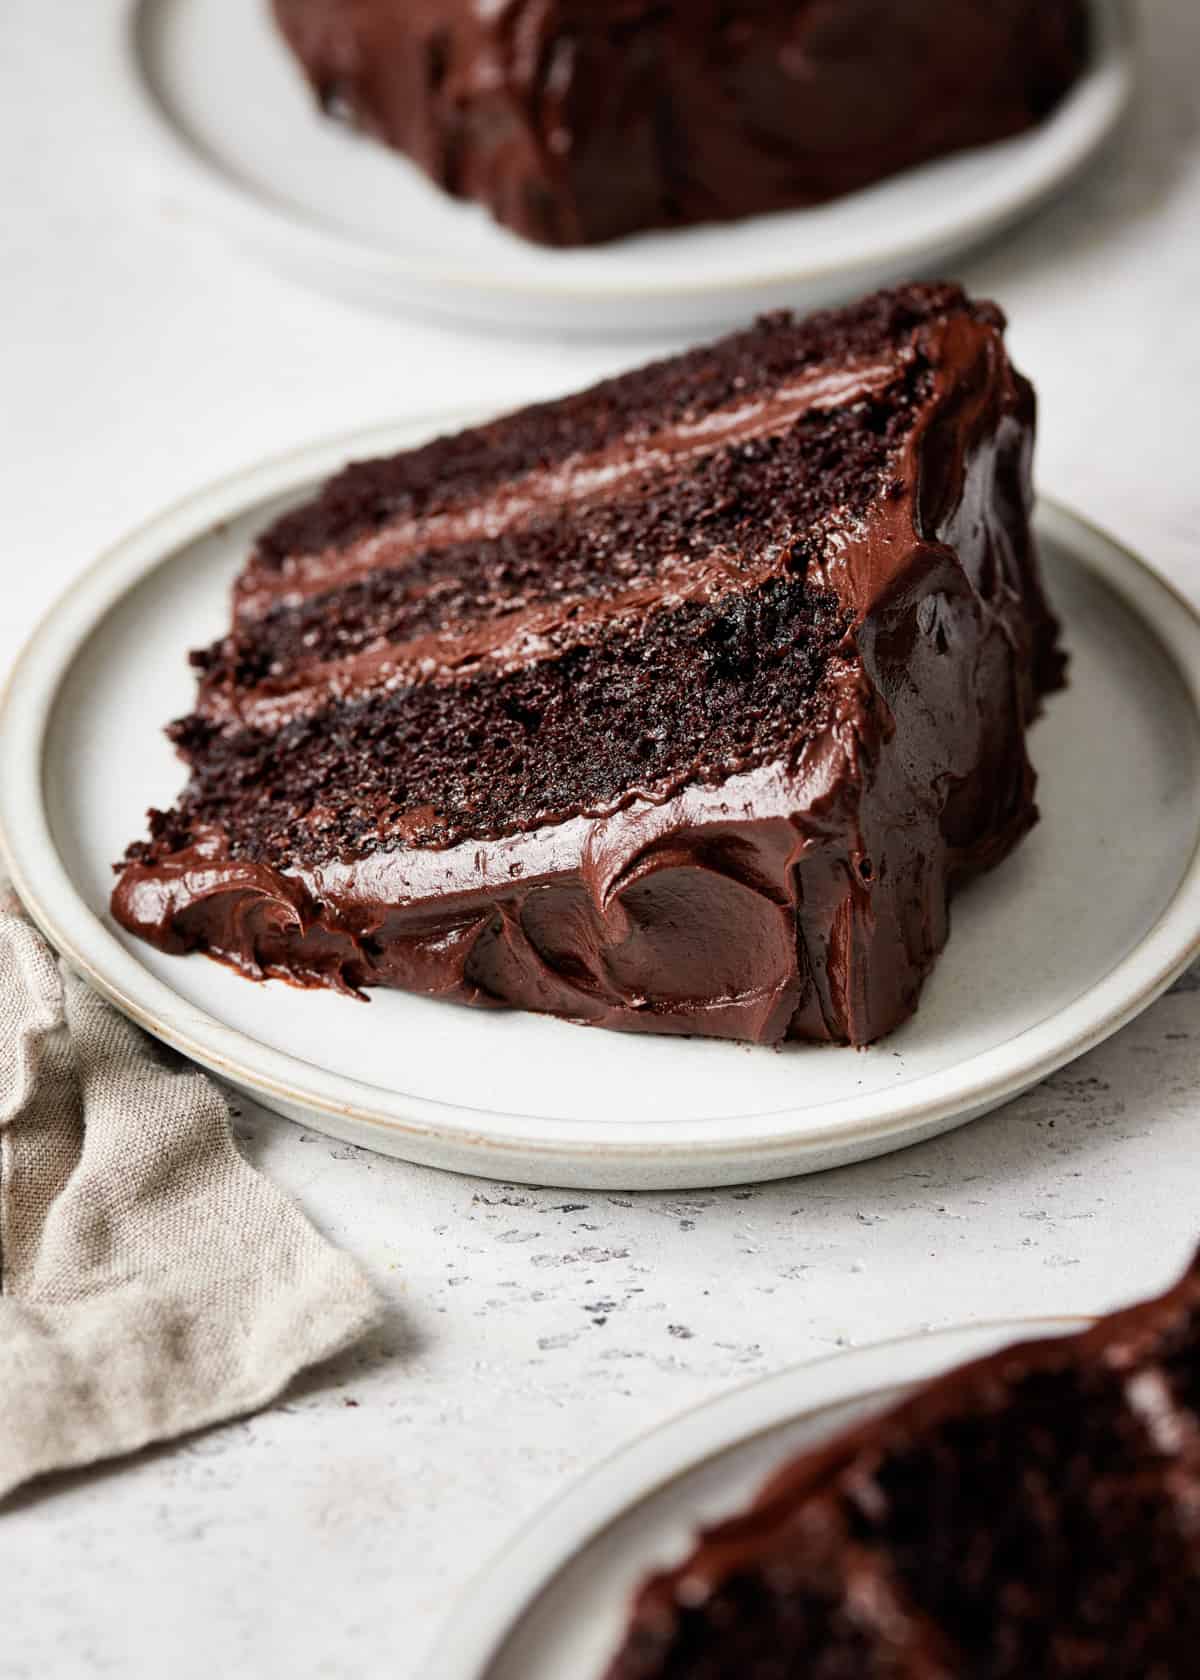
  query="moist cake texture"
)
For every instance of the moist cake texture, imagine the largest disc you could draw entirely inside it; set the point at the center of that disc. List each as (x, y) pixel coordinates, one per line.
(679, 705)
(576, 121)
(1034, 1516)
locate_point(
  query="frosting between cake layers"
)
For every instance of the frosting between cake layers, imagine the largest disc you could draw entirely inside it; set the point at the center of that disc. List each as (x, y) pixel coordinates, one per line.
(579, 479)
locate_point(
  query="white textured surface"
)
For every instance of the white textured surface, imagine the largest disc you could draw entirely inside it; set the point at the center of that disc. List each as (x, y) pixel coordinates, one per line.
(532, 1332)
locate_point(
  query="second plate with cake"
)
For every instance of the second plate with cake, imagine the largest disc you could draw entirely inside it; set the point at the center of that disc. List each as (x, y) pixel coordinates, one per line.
(229, 127)
(999, 1500)
(554, 1604)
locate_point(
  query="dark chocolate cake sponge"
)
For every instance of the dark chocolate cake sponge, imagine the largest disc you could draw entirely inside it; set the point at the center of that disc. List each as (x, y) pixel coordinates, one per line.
(581, 120)
(1034, 1516)
(679, 705)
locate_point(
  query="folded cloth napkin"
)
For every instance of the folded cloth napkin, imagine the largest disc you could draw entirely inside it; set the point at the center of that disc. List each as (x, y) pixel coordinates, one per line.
(150, 1281)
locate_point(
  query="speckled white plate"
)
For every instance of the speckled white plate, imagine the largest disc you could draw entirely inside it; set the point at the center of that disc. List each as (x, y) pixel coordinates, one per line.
(553, 1604)
(1094, 915)
(228, 124)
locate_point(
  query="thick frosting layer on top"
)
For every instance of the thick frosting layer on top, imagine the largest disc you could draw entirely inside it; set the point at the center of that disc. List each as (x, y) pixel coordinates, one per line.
(801, 1528)
(804, 897)
(581, 120)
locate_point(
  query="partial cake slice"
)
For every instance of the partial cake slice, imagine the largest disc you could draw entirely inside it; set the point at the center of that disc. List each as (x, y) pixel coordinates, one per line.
(582, 120)
(681, 705)
(1035, 1516)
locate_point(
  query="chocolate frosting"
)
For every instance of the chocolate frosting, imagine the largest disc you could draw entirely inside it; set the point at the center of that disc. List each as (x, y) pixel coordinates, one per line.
(798, 1523)
(802, 899)
(581, 120)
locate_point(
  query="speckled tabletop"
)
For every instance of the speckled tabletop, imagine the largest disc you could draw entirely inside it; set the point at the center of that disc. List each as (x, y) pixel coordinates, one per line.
(532, 1332)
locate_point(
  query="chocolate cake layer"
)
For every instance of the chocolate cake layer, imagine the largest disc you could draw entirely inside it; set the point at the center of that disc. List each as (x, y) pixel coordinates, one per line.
(681, 705)
(581, 120)
(1036, 1514)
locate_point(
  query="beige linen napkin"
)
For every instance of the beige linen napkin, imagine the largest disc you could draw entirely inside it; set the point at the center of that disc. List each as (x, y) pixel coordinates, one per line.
(150, 1281)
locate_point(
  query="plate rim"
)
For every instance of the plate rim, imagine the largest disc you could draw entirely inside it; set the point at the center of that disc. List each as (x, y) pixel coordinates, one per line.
(492, 1142)
(509, 1584)
(243, 211)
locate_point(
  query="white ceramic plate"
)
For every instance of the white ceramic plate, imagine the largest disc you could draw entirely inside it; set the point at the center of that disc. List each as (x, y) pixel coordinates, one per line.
(226, 113)
(1091, 918)
(553, 1605)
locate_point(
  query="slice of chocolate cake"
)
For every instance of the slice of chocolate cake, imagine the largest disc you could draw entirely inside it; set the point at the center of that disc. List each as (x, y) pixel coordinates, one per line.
(1035, 1516)
(680, 705)
(580, 120)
